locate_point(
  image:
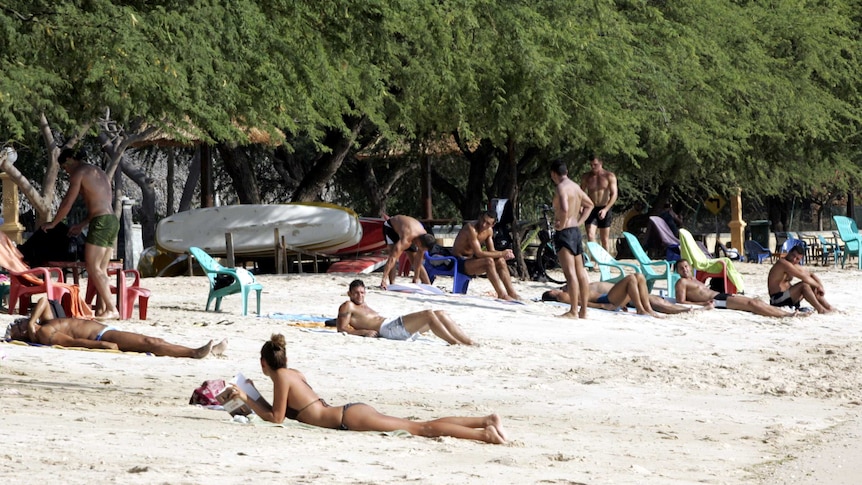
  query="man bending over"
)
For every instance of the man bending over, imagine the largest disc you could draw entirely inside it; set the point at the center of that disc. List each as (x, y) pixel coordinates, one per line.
(357, 318)
(43, 328)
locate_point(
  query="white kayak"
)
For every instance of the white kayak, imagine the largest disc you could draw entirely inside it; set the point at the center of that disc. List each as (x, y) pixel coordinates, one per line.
(312, 227)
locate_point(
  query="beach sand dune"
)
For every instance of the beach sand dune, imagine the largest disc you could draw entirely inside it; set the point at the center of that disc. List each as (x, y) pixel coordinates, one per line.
(714, 396)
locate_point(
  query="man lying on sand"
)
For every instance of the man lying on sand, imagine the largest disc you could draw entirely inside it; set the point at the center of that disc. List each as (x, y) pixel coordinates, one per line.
(630, 290)
(42, 327)
(357, 318)
(694, 292)
(294, 399)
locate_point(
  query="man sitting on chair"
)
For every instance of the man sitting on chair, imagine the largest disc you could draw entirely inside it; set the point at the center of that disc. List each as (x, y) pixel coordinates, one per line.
(476, 261)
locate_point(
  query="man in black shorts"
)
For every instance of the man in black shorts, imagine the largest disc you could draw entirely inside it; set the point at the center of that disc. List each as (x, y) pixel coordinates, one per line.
(601, 187)
(571, 208)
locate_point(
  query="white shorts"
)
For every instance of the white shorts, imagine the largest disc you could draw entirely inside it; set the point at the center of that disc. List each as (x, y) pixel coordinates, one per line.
(394, 330)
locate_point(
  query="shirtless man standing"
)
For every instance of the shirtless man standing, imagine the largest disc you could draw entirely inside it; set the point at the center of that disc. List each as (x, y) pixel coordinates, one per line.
(44, 328)
(571, 208)
(93, 185)
(601, 186)
(357, 318)
(692, 292)
(781, 293)
(401, 233)
(475, 260)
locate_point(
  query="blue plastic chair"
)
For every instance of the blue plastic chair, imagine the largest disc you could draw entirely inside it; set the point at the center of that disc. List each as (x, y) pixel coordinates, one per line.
(650, 268)
(849, 234)
(828, 249)
(754, 252)
(242, 281)
(446, 266)
(610, 269)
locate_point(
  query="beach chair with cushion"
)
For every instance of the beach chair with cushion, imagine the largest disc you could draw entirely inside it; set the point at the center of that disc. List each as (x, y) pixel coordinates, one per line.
(849, 234)
(436, 265)
(830, 249)
(661, 238)
(610, 269)
(755, 253)
(652, 270)
(226, 281)
(705, 267)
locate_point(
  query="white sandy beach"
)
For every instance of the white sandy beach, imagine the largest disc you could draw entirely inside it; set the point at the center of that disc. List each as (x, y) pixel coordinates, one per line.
(714, 396)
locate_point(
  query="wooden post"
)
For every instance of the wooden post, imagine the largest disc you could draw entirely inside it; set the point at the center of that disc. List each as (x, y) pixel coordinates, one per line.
(11, 227)
(279, 254)
(737, 225)
(228, 244)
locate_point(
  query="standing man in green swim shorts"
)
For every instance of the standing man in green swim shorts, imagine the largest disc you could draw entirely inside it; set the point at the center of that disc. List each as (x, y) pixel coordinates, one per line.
(93, 185)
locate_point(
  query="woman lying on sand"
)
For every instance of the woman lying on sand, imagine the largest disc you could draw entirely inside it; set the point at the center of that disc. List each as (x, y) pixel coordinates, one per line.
(295, 399)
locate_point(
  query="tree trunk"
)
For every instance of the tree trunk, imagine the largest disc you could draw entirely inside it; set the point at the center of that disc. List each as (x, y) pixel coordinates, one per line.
(191, 183)
(241, 172)
(324, 169)
(170, 194)
(148, 201)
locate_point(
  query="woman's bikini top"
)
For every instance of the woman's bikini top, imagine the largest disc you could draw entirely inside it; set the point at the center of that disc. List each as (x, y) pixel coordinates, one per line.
(293, 414)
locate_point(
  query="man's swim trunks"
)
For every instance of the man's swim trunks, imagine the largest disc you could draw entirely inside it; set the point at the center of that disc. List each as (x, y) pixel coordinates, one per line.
(782, 298)
(103, 332)
(569, 238)
(103, 230)
(394, 330)
(603, 298)
(720, 300)
(392, 237)
(594, 218)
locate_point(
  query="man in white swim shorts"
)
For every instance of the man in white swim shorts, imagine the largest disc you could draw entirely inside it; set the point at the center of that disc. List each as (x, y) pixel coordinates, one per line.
(355, 317)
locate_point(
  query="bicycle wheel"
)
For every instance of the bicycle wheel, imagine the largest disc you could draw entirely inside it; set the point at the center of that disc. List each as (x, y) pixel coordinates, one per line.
(549, 264)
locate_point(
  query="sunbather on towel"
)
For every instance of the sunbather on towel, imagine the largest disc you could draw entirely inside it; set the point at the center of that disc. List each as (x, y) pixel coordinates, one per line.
(294, 399)
(357, 318)
(42, 327)
(630, 290)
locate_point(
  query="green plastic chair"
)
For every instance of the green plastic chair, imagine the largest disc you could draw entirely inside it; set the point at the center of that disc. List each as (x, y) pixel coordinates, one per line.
(706, 267)
(849, 234)
(610, 269)
(242, 281)
(650, 268)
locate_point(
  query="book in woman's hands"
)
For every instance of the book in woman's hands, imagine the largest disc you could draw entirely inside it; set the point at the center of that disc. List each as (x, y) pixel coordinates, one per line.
(235, 406)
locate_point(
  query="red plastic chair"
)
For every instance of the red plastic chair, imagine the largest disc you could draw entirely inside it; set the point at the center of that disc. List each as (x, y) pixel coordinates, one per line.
(24, 284)
(128, 292)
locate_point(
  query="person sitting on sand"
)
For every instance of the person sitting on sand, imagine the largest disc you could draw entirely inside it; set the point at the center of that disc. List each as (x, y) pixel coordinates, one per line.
(294, 399)
(693, 292)
(781, 293)
(630, 290)
(44, 328)
(357, 318)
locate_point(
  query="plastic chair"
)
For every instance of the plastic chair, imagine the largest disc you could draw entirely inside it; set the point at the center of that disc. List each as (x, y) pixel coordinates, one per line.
(24, 284)
(242, 281)
(709, 267)
(789, 243)
(754, 252)
(828, 249)
(610, 269)
(649, 267)
(849, 234)
(460, 281)
(129, 293)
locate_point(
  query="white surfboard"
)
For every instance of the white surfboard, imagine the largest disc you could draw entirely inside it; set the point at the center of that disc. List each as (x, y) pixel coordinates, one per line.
(312, 227)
